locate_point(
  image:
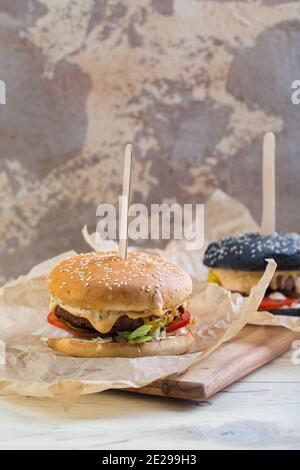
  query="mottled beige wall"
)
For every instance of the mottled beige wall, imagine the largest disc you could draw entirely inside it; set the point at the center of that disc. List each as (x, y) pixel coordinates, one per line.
(193, 84)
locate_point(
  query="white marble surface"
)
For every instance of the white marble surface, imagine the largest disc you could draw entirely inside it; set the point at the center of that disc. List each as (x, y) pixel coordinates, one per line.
(260, 412)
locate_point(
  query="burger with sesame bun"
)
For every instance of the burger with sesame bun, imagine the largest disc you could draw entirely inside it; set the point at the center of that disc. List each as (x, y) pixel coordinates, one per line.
(114, 307)
(237, 263)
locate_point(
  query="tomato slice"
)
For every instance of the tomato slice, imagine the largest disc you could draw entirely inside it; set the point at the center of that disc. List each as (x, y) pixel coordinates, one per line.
(268, 303)
(180, 323)
(53, 320)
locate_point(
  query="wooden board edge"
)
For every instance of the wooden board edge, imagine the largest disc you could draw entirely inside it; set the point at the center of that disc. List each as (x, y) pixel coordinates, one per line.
(187, 390)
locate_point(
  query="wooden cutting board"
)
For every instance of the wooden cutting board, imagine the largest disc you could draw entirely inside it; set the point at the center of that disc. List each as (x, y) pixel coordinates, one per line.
(252, 348)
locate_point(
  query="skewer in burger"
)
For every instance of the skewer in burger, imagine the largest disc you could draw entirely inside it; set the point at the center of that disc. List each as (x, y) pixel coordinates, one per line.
(237, 263)
(114, 307)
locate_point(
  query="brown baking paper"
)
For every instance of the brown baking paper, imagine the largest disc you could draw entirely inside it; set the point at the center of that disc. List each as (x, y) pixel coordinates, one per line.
(29, 367)
(267, 318)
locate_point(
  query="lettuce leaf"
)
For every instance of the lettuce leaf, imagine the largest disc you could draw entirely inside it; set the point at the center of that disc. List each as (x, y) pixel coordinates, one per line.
(141, 331)
(142, 339)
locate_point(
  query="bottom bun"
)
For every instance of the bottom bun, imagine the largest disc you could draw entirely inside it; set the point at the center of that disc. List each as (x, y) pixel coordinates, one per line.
(171, 346)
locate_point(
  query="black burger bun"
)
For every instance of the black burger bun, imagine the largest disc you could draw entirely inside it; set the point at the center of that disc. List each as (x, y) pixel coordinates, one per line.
(248, 252)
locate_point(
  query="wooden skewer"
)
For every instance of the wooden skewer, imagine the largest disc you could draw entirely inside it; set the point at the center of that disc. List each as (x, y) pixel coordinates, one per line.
(268, 221)
(124, 206)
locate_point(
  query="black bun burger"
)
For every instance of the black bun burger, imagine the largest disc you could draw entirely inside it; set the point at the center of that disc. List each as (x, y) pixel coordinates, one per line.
(116, 307)
(237, 263)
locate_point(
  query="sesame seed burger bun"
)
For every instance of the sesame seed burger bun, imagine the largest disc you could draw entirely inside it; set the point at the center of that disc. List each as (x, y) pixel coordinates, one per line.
(172, 346)
(103, 281)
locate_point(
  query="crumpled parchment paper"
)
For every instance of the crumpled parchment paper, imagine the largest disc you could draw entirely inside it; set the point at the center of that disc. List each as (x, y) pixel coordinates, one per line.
(29, 367)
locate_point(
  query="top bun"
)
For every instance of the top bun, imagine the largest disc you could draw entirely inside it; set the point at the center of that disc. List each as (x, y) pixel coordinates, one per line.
(249, 252)
(103, 281)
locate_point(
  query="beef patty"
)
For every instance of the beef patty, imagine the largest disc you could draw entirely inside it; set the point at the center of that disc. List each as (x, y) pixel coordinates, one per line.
(122, 324)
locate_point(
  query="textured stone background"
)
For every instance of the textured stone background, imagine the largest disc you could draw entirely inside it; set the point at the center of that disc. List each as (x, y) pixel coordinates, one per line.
(193, 84)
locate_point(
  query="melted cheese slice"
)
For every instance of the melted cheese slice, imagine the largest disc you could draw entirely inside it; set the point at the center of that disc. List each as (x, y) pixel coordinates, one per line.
(104, 321)
(243, 281)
